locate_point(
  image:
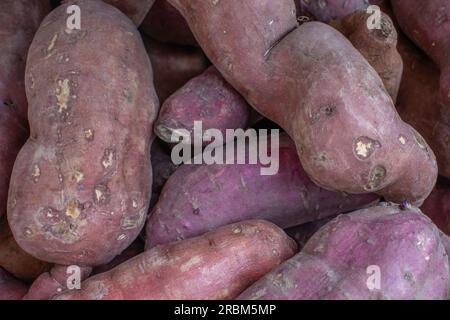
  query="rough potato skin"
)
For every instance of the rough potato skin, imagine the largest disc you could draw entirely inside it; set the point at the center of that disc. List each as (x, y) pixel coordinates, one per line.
(52, 283)
(165, 24)
(427, 24)
(437, 207)
(81, 185)
(217, 265)
(188, 203)
(418, 101)
(404, 244)
(378, 46)
(136, 10)
(349, 137)
(207, 98)
(326, 11)
(15, 260)
(10, 288)
(173, 65)
(20, 20)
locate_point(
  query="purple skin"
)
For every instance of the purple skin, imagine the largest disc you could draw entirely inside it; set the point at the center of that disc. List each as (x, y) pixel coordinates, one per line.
(207, 98)
(404, 244)
(199, 198)
(11, 288)
(326, 11)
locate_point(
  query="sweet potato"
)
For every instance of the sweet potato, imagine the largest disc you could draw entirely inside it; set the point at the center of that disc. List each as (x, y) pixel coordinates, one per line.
(20, 20)
(162, 167)
(418, 101)
(81, 185)
(16, 261)
(54, 282)
(10, 288)
(401, 247)
(427, 24)
(326, 11)
(378, 46)
(349, 137)
(199, 198)
(173, 66)
(217, 265)
(437, 207)
(136, 10)
(207, 98)
(164, 23)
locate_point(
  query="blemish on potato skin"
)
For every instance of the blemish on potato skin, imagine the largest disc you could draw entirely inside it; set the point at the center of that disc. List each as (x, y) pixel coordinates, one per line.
(190, 263)
(365, 147)
(52, 43)
(89, 134)
(73, 209)
(36, 173)
(101, 195)
(128, 95)
(402, 140)
(63, 94)
(109, 157)
(27, 232)
(376, 178)
(78, 176)
(121, 237)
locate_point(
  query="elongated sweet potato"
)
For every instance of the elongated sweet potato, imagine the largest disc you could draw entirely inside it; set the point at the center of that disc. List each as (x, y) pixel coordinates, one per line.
(378, 46)
(349, 137)
(136, 10)
(328, 10)
(164, 23)
(207, 98)
(437, 207)
(427, 24)
(173, 66)
(15, 260)
(382, 252)
(199, 198)
(54, 282)
(10, 288)
(81, 185)
(217, 265)
(20, 20)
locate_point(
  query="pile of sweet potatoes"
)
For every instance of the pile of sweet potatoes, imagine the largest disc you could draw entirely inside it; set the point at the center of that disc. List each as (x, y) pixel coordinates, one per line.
(191, 149)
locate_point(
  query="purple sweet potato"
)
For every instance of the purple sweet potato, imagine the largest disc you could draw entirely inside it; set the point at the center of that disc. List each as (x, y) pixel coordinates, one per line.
(81, 185)
(378, 46)
(173, 65)
(54, 282)
(136, 10)
(199, 198)
(328, 10)
(165, 24)
(401, 247)
(217, 265)
(349, 137)
(11, 288)
(20, 20)
(207, 98)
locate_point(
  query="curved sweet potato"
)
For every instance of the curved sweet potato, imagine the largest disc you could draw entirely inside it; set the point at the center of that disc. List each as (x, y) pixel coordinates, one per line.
(217, 265)
(10, 288)
(378, 46)
(164, 23)
(20, 20)
(173, 66)
(207, 98)
(349, 137)
(15, 260)
(400, 247)
(81, 185)
(188, 205)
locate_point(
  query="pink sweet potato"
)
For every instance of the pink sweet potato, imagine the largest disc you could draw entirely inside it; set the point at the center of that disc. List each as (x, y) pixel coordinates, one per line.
(349, 137)
(217, 265)
(199, 198)
(328, 10)
(54, 282)
(437, 207)
(81, 185)
(207, 98)
(10, 288)
(173, 66)
(165, 24)
(20, 20)
(401, 247)
(378, 46)
(15, 260)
